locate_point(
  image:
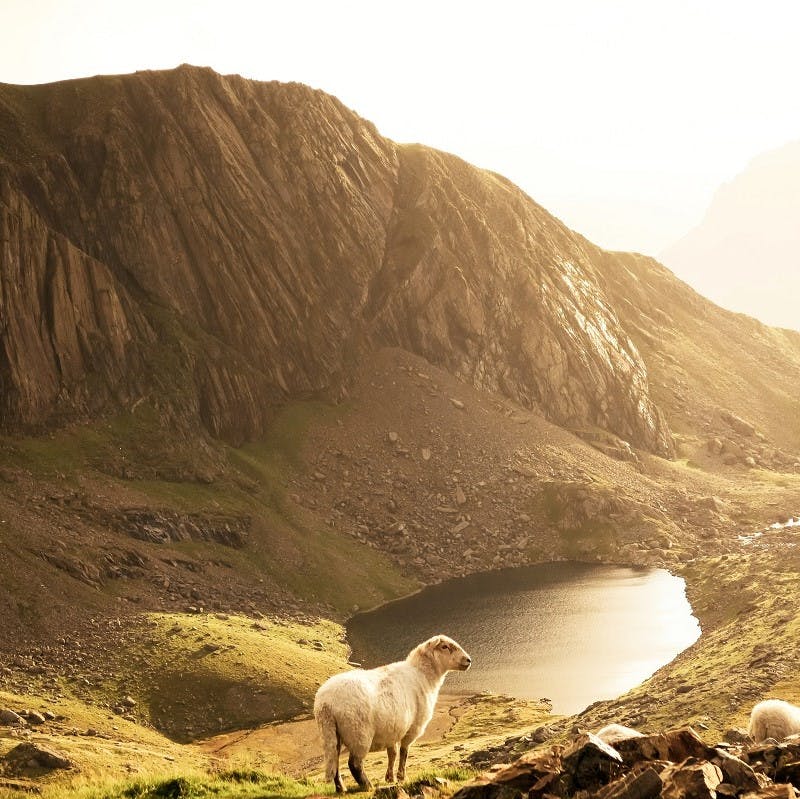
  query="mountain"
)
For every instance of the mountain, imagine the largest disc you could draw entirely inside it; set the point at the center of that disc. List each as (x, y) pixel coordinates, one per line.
(219, 245)
(235, 243)
(745, 254)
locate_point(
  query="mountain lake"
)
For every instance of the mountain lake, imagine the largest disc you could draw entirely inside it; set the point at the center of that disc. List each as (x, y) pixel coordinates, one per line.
(574, 633)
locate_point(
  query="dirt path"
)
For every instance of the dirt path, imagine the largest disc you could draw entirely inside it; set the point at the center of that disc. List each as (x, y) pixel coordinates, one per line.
(294, 746)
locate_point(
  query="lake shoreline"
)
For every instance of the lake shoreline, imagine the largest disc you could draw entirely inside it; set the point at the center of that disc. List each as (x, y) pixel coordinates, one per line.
(555, 593)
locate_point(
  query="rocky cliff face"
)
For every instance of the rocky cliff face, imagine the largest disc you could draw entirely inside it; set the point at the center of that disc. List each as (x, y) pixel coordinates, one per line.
(218, 245)
(704, 361)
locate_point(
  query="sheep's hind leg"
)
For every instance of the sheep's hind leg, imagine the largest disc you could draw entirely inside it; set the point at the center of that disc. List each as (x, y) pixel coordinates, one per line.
(356, 766)
(401, 766)
(332, 743)
(391, 751)
(337, 778)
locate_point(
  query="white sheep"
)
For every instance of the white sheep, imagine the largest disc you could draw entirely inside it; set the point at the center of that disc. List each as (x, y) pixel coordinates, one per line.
(774, 718)
(367, 710)
(614, 733)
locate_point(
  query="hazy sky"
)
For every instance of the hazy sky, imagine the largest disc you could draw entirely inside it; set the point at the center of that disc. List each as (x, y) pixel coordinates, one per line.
(620, 116)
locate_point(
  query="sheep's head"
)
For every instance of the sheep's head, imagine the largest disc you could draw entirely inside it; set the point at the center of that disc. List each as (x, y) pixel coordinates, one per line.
(445, 653)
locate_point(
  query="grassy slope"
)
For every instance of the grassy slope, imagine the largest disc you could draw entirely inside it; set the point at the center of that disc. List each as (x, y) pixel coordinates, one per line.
(187, 671)
(205, 668)
(164, 470)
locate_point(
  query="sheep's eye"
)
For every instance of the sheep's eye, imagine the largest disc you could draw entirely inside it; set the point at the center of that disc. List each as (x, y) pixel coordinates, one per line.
(446, 647)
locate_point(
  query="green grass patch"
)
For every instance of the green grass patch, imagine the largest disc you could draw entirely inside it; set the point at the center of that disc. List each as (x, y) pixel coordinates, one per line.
(234, 784)
(439, 779)
(131, 445)
(207, 673)
(289, 430)
(223, 786)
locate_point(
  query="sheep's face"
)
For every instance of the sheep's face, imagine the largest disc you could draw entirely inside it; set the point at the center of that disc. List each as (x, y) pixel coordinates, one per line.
(448, 654)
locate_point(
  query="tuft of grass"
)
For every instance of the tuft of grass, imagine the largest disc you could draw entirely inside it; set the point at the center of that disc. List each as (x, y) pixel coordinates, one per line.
(439, 779)
(219, 785)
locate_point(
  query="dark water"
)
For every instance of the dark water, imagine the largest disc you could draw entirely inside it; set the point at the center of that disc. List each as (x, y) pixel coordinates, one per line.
(572, 632)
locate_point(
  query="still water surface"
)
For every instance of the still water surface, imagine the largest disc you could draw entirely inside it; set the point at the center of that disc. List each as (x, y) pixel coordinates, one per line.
(572, 632)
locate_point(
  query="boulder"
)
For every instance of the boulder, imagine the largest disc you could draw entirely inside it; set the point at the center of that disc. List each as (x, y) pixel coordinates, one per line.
(33, 757)
(789, 772)
(735, 735)
(590, 763)
(673, 765)
(390, 792)
(646, 784)
(738, 424)
(767, 758)
(612, 734)
(518, 779)
(736, 772)
(674, 745)
(691, 780)
(10, 717)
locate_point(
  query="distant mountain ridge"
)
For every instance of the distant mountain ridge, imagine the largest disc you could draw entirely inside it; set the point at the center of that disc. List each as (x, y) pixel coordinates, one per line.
(745, 253)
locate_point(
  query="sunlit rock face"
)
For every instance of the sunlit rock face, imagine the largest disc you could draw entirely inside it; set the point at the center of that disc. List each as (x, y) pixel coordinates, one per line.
(224, 244)
(480, 279)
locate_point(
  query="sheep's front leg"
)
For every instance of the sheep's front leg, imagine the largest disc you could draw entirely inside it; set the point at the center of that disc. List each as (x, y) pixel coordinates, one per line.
(391, 752)
(356, 766)
(401, 766)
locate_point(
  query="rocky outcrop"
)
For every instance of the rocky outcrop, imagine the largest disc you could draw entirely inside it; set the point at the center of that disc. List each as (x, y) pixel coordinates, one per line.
(166, 526)
(672, 765)
(217, 245)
